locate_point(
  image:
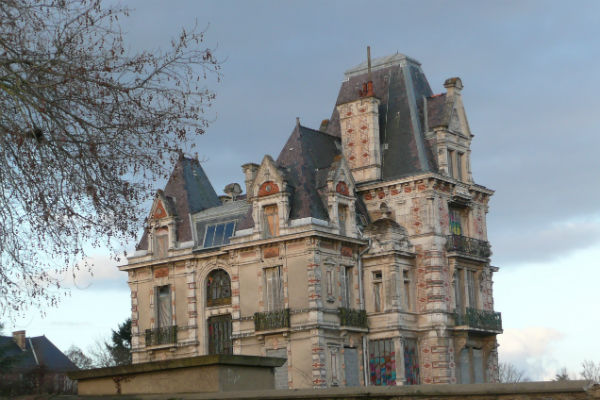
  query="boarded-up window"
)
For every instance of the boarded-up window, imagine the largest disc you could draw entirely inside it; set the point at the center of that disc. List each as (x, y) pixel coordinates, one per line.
(163, 306)
(271, 221)
(377, 291)
(459, 289)
(281, 373)
(218, 288)
(329, 282)
(406, 293)
(161, 243)
(411, 362)
(382, 362)
(351, 366)
(471, 289)
(346, 286)
(334, 366)
(459, 166)
(451, 163)
(343, 218)
(273, 288)
(219, 335)
(471, 365)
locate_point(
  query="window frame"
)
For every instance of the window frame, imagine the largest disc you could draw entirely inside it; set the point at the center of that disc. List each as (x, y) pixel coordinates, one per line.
(277, 303)
(225, 240)
(217, 301)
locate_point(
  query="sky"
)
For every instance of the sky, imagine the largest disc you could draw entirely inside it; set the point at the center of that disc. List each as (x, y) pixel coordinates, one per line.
(530, 75)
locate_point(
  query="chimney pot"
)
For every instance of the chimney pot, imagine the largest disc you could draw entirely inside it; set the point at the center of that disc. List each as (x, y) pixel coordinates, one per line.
(19, 338)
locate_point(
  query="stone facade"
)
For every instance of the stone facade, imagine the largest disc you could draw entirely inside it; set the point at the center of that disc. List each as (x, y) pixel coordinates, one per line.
(360, 254)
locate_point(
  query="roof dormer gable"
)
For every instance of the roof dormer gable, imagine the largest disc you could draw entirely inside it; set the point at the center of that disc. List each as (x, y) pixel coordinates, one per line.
(163, 207)
(269, 179)
(340, 179)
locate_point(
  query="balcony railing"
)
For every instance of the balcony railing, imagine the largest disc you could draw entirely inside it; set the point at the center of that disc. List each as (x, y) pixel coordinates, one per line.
(479, 319)
(158, 336)
(468, 246)
(355, 318)
(266, 321)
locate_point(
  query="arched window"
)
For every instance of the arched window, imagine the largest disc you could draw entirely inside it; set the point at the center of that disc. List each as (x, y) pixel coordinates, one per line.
(218, 288)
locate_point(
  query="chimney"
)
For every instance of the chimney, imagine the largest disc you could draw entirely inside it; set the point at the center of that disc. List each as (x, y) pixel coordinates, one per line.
(250, 171)
(453, 86)
(19, 338)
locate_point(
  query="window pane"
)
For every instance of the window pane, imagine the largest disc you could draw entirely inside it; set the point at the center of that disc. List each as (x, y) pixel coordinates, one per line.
(228, 232)
(210, 233)
(164, 306)
(219, 231)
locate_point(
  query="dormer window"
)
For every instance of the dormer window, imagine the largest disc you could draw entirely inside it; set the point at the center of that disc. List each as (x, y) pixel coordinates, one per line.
(455, 164)
(218, 234)
(161, 242)
(343, 219)
(271, 221)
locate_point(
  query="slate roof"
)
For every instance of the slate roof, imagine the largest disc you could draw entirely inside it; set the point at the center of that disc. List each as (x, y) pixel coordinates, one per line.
(401, 86)
(38, 351)
(306, 160)
(189, 191)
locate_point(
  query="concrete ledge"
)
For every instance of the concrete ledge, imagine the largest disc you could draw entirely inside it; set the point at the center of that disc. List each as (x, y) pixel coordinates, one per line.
(221, 359)
(216, 373)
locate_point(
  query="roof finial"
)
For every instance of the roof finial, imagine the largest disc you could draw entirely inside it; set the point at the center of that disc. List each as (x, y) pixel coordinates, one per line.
(369, 62)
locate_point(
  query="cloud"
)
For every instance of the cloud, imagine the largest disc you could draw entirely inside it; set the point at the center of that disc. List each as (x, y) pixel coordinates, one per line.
(102, 274)
(541, 243)
(531, 349)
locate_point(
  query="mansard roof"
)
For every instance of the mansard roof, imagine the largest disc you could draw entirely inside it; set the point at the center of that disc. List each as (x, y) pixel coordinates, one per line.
(305, 158)
(189, 191)
(401, 86)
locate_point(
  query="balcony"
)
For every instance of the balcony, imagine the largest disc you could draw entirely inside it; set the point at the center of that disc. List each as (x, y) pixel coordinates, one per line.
(479, 319)
(270, 320)
(468, 246)
(160, 336)
(355, 318)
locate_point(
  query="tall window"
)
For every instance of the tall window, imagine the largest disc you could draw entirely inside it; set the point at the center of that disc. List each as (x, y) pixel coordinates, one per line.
(450, 163)
(382, 362)
(334, 366)
(459, 166)
(329, 284)
(459, 289)
(273, 289)
(218, 288)
(218, 234)
(271, 221)
(219, 335)
(346, 286)
(163, 306)
(471, 288)
(377, 291)
(343, 218)
(161, 243)
(455, 217)
(406, 292)
(411, 362)
(471, 368)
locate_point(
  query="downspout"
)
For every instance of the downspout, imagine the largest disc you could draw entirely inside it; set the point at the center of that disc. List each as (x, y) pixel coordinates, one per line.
(361, 299)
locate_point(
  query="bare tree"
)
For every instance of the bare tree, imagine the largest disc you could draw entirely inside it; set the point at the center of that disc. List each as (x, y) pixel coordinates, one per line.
(100, 354)
(85, 128)
(509, 373)
(562, 375)
(79, 358)
(590, 371)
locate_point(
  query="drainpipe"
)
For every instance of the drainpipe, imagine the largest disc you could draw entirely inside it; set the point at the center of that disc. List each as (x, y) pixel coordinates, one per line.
(361, 299)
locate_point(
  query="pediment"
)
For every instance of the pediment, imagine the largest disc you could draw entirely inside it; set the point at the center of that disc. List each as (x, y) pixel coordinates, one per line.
(269, 178)
(458, 118)
(162, 207)
(340, 177)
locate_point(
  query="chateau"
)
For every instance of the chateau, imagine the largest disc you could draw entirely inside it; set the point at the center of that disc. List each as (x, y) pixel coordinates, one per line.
(359, 254)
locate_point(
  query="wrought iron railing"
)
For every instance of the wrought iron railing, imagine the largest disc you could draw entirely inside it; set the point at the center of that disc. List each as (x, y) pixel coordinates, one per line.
(468, 246)
(266, 321)
(479, 319)
(165, 335)
(350, 317)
